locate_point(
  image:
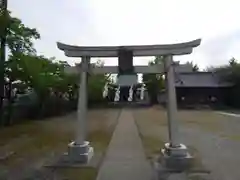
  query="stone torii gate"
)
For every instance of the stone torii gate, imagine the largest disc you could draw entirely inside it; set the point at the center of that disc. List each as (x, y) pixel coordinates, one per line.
(80, 150)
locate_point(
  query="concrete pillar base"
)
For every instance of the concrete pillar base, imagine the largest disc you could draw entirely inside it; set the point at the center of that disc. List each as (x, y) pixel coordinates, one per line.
(176, 158)
(79, 153)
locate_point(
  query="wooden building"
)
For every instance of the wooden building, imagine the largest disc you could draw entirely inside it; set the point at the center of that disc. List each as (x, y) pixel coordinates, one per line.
(199, 88)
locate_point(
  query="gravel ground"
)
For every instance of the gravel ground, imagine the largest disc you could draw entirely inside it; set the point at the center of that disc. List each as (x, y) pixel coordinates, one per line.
(215, 139)
(25, 148)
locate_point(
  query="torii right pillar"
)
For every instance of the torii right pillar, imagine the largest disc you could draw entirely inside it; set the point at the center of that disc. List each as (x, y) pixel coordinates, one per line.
(175, 155)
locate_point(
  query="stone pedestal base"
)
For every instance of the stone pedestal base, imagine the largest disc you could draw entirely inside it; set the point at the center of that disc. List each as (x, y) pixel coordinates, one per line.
(79, 153)
(176, 158)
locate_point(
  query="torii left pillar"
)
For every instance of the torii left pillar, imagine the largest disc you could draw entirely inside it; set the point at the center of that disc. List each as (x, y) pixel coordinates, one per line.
(80, 151)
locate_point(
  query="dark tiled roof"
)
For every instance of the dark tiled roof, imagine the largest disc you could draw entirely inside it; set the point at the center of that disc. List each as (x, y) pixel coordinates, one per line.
(199, 79)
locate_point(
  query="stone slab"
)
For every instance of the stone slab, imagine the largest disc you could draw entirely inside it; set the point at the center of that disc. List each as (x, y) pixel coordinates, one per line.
(176, 163)
(161, 172)
(63, 161)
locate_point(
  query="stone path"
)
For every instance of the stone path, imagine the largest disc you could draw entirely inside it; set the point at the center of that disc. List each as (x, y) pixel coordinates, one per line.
(125, 158)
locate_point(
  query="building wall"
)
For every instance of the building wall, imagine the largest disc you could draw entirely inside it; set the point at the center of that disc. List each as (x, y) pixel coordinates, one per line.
(193, 96)
(200, 95)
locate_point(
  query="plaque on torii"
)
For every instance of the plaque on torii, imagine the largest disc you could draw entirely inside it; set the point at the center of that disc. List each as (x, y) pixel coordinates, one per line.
(126, 74)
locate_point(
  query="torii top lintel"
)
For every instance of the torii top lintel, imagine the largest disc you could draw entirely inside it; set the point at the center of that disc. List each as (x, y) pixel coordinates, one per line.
(139, 50)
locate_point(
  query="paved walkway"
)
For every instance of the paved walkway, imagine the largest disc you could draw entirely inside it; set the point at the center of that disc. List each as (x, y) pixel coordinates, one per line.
(125, 158)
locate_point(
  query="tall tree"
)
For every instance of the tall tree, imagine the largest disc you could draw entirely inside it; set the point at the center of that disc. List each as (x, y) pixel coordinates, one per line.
(3, 35)
(195, 67)
(230, 73)
(43, 76)
(19, 40)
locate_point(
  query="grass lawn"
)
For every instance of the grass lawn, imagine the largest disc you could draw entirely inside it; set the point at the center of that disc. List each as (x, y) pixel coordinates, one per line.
(212, 139)
(153, 127)
(31, 144)
(147, 123)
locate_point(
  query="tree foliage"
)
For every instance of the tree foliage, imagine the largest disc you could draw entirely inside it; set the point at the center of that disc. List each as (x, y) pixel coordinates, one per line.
(20, 37)
(230, 73)
(195, 67)
(25, 70)
(154, 82)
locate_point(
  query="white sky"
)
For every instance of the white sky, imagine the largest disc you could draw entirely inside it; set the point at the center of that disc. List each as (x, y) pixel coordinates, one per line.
(135, 22)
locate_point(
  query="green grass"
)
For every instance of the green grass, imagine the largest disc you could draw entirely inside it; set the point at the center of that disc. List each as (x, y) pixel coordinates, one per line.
(78, 173)
(152, 145)
(231, 137)
(197, 162)
(197, 177)
(151, 121)
(100, 139)
(39, 138)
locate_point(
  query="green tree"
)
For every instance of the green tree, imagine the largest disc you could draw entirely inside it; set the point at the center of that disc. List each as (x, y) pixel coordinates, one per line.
(96, 83)
(45, 76)
(230, 73)
(3, 34)
(19, 40)
(195, 67)
(20, 37)
(47, 79)
(154, 82)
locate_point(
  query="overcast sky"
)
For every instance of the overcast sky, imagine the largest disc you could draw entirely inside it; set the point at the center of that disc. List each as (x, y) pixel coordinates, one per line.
(135, 22)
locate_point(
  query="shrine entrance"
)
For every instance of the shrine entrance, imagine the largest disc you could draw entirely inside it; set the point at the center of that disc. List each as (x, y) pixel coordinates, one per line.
(124, 93)
(80, 150)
